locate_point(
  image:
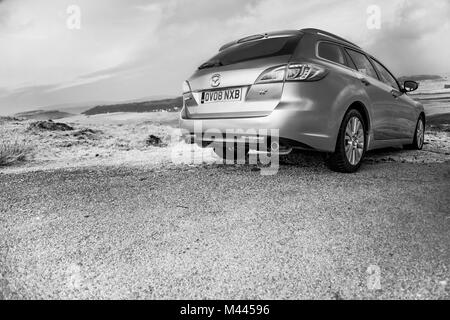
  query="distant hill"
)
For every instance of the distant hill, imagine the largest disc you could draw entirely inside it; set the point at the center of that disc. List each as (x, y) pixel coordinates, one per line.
(43, 115)
(73, 108)
(173, 104)
(420, 77)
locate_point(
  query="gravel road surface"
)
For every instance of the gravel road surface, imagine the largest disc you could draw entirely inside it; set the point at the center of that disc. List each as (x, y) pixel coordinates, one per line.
(226, 232)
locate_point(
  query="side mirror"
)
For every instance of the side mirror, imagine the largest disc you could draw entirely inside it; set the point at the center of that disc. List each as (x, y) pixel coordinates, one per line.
(410, 86)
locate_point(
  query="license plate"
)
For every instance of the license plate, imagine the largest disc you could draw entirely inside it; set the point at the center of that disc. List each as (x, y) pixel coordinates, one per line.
(221, 95)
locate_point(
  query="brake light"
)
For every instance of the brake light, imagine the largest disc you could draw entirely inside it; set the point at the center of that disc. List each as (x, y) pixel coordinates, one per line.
(305, 72)
(293, 72)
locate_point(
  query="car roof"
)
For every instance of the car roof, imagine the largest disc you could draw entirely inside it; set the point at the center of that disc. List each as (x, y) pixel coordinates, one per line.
(321, 34)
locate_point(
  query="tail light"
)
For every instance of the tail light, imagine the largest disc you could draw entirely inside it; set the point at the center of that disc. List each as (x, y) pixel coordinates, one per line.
(293, 72)
(275, 74)
(187, 95)
(305, 72)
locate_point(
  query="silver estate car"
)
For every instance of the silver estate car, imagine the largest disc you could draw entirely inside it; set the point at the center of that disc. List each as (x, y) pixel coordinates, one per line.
(319, 90)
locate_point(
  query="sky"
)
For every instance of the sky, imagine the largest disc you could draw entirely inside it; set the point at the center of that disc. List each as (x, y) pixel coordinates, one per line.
(125, 50)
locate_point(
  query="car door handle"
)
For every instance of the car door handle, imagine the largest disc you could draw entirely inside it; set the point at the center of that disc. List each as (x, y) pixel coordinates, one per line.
(396, 93)
(365, 81)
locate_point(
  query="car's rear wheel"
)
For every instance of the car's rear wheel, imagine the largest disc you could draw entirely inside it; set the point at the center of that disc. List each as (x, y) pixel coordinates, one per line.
(419, 135)
(350, 145)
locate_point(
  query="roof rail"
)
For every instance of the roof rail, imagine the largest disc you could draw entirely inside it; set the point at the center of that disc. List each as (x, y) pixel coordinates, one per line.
(328, 34)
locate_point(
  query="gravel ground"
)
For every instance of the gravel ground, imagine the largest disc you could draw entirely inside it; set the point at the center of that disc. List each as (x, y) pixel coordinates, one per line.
(226, 232)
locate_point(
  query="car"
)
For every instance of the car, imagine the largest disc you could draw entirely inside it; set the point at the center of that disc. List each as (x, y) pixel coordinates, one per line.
(320, 91)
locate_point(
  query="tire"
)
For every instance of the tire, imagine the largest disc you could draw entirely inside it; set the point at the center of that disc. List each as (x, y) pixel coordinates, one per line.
(350, 144)
(419, 135)
(231, 154)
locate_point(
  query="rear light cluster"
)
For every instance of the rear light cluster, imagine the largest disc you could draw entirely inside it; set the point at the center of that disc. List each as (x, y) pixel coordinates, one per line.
(186, 87)
(276, 74)
(293, 72)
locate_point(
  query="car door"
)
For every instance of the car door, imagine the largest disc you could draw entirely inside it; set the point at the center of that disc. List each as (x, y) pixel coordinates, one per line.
(380, 95)
(403, 111)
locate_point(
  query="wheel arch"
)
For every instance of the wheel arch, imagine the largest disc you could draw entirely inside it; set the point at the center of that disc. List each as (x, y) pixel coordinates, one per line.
(422, 115)
(359, 106)
(354, 105)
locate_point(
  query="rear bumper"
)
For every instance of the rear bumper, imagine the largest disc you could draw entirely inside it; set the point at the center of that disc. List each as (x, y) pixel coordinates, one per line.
(308, 115)
(299, 126)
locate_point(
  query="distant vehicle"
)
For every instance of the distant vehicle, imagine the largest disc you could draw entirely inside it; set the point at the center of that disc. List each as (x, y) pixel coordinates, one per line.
(321, 91)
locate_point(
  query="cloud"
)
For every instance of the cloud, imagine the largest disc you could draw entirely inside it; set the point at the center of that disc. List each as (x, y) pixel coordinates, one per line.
(414, 40)
(129, 49)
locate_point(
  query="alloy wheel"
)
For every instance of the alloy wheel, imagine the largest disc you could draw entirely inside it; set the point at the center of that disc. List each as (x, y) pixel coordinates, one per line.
(354, 141)
(420, 134)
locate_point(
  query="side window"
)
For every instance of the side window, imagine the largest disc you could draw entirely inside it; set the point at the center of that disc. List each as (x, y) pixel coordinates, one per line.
(349, 61)
(331, 52)
(363, 64)
(386, 76)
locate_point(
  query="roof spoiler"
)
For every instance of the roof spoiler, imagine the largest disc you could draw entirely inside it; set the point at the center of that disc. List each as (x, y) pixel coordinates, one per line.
(227, 45)
(249, 38)
(258, 37)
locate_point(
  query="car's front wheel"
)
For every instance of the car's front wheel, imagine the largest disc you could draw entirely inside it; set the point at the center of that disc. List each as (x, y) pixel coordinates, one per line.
(419, 135)
(350, 145)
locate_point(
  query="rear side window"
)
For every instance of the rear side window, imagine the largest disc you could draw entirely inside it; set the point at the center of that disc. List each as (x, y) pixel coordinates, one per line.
(252, 50)
(350, 62)
(331, 52)
(363, 64)
(386, 76)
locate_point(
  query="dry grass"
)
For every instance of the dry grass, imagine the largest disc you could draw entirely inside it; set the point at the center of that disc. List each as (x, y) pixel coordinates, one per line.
(12, 151)
(95, 140)
(14, 146)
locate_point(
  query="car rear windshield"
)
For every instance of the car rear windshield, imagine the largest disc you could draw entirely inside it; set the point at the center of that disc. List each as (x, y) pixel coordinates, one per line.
(253, 50)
